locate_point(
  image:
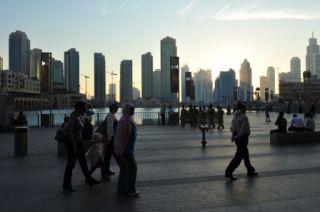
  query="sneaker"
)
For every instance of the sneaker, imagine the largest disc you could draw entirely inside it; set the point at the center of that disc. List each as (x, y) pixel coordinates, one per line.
(134, 194)
(252, 174)
(231, 177)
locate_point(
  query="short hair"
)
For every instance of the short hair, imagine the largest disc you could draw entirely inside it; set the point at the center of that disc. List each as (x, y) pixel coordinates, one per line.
(113, 105)
(79, 104)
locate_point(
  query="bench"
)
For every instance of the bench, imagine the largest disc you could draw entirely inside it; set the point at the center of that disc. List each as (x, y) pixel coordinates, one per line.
(294, 137)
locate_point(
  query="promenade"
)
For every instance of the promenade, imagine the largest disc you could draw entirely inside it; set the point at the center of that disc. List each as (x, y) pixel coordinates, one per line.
(174, 174)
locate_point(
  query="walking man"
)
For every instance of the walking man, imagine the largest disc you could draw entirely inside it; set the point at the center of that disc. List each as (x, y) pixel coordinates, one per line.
(240, 129)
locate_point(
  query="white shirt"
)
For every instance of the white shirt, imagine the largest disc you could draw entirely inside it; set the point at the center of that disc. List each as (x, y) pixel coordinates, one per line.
(110, 120)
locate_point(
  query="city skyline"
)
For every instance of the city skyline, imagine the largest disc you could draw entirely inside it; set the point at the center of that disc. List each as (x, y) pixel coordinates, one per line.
(216, 36)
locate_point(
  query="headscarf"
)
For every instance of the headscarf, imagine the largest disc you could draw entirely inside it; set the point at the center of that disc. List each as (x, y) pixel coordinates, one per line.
(126, 109)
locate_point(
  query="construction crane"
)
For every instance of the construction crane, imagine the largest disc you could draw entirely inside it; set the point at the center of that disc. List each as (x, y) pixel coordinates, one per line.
(112, 74)
(86, 78)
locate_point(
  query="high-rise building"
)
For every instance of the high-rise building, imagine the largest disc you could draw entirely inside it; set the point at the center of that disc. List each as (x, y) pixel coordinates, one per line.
(71, 68)
(147, 75)
(99, 79)
(224, 87)
(135, 93)
(316, 65)
(35, 63)
(157, 84)
(126, 81)
(57, 71)
(112, 92)
(264, 83)
(271, 79)
(203, 86)
(1, 63)
(312, 50)
(246, 88)
(19, 52)
(184, 69)
(168, 49)
(295, 69)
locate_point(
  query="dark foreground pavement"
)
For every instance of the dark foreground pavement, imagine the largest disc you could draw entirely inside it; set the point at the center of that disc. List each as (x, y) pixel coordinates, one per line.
(174, 174)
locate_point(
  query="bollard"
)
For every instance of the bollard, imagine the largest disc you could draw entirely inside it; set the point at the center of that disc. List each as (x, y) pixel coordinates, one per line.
(203, 129)
(21, 141)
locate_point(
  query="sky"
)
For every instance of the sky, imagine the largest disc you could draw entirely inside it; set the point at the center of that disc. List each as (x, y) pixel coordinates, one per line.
(210, 34)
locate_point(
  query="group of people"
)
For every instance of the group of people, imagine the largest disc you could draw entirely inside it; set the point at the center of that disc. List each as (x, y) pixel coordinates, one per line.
(196, 116)
(297, 124)
(112, 138)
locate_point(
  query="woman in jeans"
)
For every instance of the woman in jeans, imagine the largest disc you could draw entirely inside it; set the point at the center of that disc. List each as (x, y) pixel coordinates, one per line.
(124, 142)
(75, 149)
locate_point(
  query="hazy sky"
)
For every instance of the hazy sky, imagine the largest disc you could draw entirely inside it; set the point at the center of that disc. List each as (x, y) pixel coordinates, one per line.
(210, 34)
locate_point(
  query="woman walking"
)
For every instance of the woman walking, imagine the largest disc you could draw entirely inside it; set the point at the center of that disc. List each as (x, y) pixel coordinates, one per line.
(75, 149)
(124, 142)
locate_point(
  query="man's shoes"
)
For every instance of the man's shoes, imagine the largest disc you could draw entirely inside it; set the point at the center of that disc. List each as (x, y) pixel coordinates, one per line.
(231, 177)
(252, 174)
(68, 189)
(92, 182)
(134, 194)
(110, 173)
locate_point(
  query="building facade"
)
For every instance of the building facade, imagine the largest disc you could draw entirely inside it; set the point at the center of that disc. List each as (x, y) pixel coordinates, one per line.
(112, 92)
(168, 49)
(246, 88)
(271, 79)
(35, 63)
(264, 83)
(224, 88)
(99, 79)
(184, 69)
(71, 68)
(1, 63)
(295, 69)
(135, 93)
(57, 71)
(157, 84)
(203, 87)
(19, 52)
(312, 51)
(126, 81)
(147, 75)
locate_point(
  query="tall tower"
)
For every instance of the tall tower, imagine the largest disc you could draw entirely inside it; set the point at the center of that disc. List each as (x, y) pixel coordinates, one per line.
(126, 81)
(71, 68)
(203, 86)
(312, 51)
(184, 69)
(19, 52)
(147, 75)
(295, 69)
(271, 79)
(1, 63)
(246, 88)
(168, 49)
(157, 84)
(99, 79)
(57, 71)
(35, 63)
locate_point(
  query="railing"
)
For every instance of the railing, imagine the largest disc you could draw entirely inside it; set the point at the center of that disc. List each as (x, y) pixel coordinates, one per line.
(140, 118)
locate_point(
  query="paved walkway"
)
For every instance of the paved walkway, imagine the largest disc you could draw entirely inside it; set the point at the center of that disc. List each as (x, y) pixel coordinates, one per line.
(174, 174)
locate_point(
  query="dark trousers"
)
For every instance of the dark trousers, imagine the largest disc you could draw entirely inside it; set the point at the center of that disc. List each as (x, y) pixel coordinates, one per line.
(127, 175)
(71, 161)
(163, 119)
(108, 152)
(241, 153)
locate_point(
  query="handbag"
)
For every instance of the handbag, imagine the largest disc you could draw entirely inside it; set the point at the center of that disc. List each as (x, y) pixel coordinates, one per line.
(61, 135)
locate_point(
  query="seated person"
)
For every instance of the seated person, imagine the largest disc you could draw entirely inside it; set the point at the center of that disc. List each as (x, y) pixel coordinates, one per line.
(297, 124)
(281, 122)
(309, 124)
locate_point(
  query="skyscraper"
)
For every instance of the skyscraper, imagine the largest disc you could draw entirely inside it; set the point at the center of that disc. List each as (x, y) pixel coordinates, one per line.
(147, 75)
(312, 50)
(246, 88)
(1, 63)
(35, 63)
(71, 68)
(135, 93)
(126, 81)
(19, 52)
(112, 91)
(168, 49)
(264, 83)
(57, 71)
(316, 66)
(271, 79)
(203, 86)
(184, 69)
(99, 79)
(224, 87)
(295, 69)
(157, 84)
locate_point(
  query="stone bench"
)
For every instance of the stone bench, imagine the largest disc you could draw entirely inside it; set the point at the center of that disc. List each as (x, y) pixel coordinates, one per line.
(61, 147)
(294, 137)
